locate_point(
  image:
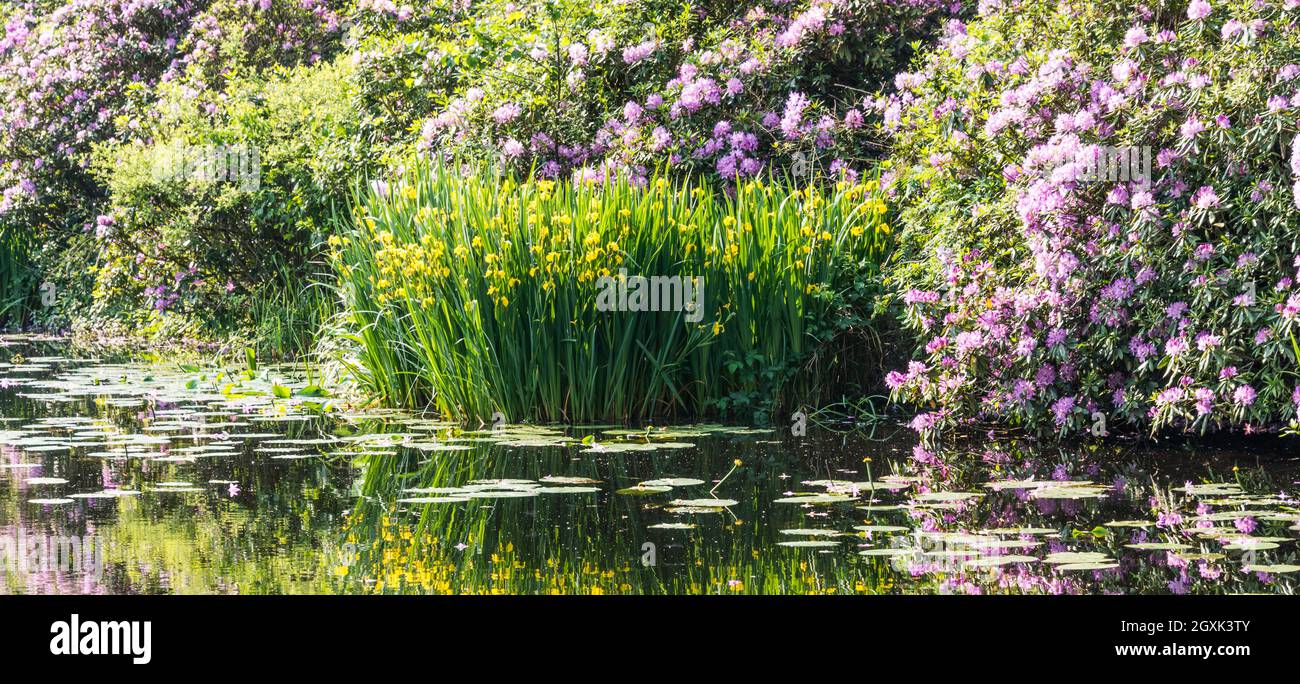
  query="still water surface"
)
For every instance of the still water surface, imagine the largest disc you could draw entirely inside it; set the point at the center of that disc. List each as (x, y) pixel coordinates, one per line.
(162, 478)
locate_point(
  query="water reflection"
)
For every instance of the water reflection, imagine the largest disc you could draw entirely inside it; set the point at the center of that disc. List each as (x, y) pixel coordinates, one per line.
(828, 515)
(125, 477)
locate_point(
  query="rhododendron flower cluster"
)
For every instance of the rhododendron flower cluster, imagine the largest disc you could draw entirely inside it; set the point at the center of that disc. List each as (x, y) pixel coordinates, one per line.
(592, 90)
(65, 74)
(1045, 296)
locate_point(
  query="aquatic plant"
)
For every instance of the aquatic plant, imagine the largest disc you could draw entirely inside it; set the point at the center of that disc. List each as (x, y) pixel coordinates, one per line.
(476, 294)
(17, 276)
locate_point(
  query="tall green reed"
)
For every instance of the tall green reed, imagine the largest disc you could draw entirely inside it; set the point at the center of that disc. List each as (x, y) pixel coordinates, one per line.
(288, 313)
(17, 277)
(477, 293)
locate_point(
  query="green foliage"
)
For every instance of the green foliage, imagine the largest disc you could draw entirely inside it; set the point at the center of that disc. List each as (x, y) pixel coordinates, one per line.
(1162, 297)
(16, 276)
(474, 293)
(564, 85)
(222, 250)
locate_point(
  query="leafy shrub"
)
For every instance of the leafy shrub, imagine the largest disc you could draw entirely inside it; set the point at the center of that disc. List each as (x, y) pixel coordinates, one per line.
(233, 37)
(1046, 298)
(66, 71)
(82, 73)
(561, 85)
(473, 293)
(184, 243)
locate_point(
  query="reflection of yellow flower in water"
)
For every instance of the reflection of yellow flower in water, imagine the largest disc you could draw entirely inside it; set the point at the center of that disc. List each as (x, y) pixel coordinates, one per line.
(718, 328)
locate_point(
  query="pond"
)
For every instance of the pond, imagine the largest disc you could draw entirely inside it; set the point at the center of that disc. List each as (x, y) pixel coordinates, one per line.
(162, 478)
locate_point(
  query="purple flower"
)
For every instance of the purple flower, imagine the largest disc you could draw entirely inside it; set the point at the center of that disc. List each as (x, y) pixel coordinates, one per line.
(636, 53)
(1206, 342)
(1135, 36)
(793, 116)
(1206, 198)
(1062, 408)
(506, 113)
(924, 422)
(1244, 395)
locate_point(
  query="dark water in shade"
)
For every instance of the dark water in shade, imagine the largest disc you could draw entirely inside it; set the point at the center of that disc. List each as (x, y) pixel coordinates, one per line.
(138, 478)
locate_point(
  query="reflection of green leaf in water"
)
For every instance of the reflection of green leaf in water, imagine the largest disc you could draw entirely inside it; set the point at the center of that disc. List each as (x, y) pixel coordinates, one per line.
(1214, 531)
(438, 446)
(1072, 491)
(1129, 523)
(1005, 544)
(50, 502)
(888, 552)
(436, 490)
(672, 526)
(1158, 546)
(816, 499)
(995, 561)
(621, 447)
(1021, 530)
(881, 528)
(539, 442)
(502, 493)
(567, 490)
(1098, 565)
(1000, 485)
(809, 532)
(1211, 489)
(1252, 543)
(842, 486)
(565, 480)
(1076, 557)
(673, 482)
(106, 494)
(642, 490)
(46, 481)
(703, 503)
(433, 499)
(810, 543)
(1277, 569)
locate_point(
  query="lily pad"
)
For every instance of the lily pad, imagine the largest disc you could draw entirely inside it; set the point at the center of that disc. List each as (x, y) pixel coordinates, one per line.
(704, 503)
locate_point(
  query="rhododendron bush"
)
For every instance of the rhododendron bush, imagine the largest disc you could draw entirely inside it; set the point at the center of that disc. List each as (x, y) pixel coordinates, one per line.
(564, 86)
(1050, 295)
(85, 73)
(90, 89)
(64, 76)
